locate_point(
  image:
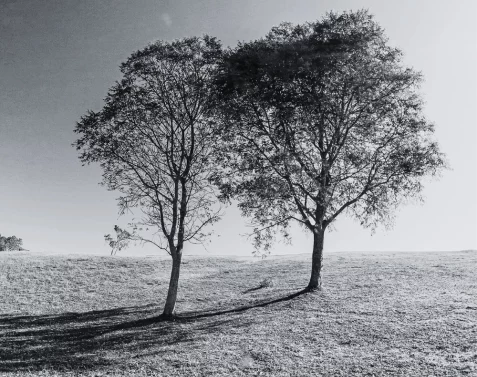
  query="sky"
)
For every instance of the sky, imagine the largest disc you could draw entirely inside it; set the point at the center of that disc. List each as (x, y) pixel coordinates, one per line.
(59, 57)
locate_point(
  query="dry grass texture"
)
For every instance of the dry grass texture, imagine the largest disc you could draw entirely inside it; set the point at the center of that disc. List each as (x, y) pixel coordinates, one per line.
(402, 314)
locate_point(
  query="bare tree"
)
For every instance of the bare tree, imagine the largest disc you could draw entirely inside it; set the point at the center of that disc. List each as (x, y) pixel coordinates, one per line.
(322, 118)
(153, 140)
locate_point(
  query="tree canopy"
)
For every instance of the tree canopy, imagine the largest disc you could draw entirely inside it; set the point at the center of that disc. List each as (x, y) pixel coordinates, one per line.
(320, 119)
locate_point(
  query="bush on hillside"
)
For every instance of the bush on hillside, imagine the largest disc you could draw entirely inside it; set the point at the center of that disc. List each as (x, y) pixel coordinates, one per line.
(266, 283)
(10, 243)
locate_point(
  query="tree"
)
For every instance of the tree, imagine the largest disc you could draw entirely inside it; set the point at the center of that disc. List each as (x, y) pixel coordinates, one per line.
(10, 243)
(153, 140)
(322, 119)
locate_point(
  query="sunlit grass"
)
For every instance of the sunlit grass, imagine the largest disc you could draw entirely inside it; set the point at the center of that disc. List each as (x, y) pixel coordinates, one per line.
(409, 314)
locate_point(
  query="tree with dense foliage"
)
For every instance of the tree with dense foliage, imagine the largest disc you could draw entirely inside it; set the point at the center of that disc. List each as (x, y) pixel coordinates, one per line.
(322, 119)
(10, 243)
(153, 140)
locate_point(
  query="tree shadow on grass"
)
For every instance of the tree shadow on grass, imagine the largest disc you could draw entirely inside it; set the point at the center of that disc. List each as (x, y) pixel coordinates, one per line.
(260, 304)
(104, 338)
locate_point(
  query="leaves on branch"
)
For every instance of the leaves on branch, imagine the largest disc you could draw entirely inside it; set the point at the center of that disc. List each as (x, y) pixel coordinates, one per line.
(320, 119)
(153, 140)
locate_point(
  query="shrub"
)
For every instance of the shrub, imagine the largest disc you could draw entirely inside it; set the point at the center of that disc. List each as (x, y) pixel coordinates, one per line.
(10, 243)
(266, 283)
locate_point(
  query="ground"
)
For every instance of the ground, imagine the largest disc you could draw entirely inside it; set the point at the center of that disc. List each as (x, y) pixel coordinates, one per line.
(380, 314)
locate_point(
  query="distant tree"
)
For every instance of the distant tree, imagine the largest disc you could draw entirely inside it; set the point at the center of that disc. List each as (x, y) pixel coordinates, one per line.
(153, 140)
(10, 243)
(321, 119)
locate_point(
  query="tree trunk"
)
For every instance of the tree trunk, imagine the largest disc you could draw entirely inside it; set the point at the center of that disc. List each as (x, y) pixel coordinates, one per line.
(173, 285)
(317, 260)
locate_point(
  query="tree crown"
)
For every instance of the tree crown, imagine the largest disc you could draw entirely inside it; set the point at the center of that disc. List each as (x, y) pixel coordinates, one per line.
(154, 136)
(322, 118)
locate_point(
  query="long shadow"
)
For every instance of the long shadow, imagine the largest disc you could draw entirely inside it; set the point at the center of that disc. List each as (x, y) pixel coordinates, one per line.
(96, 339)
(260, 304)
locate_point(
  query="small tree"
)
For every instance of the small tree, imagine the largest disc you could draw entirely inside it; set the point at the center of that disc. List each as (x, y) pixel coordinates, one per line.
(322, 119)
(153, 140)
(10, 243)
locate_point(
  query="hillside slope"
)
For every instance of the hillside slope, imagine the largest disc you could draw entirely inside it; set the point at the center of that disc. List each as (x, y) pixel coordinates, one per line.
(389, 314)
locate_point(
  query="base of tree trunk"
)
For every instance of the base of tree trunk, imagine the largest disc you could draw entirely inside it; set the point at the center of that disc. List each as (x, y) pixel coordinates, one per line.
(313, 289)
(167, 317)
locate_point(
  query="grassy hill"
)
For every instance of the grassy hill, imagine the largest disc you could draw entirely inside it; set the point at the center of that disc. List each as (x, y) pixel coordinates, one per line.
(389, 314)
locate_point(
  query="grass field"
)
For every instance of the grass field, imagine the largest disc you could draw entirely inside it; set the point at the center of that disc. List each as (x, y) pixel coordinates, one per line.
(389, 314)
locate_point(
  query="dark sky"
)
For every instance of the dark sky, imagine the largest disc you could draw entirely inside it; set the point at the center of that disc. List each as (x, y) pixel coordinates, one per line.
(58, 59)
